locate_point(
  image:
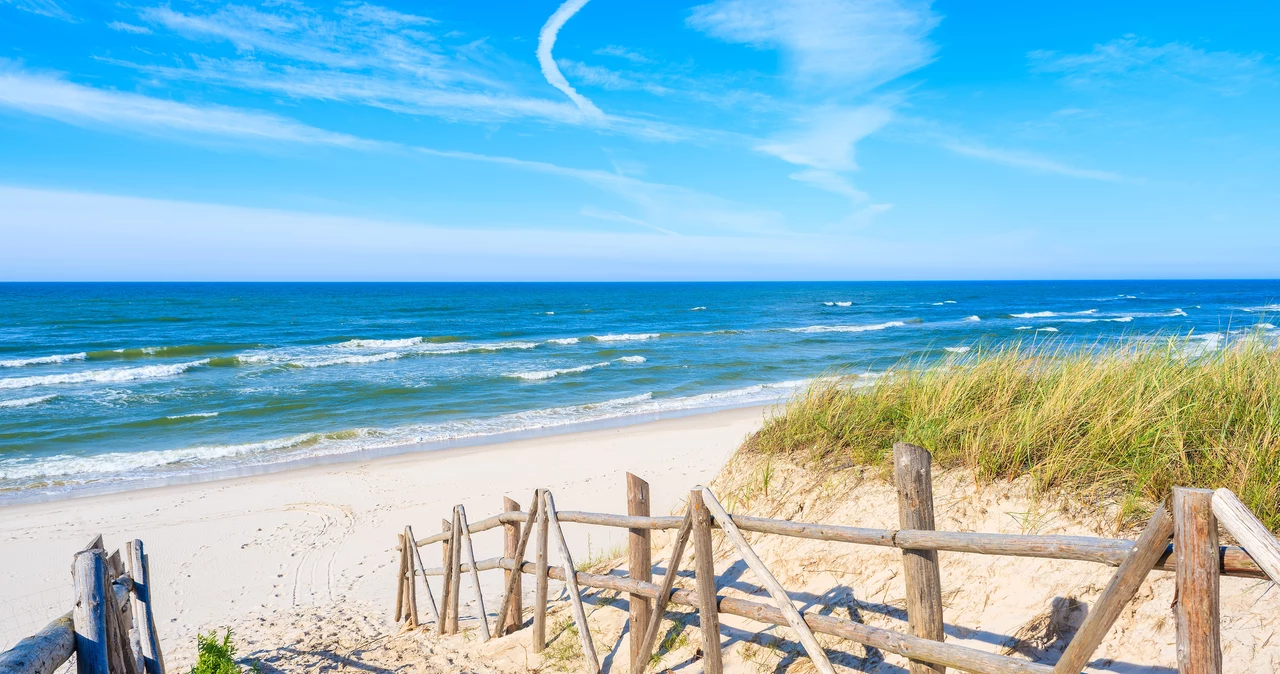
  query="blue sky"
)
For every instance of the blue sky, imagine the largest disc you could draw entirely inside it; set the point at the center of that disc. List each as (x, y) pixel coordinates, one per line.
(603, 140)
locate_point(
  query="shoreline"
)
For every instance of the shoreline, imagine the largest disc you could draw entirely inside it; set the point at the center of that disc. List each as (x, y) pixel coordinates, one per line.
(324, 534)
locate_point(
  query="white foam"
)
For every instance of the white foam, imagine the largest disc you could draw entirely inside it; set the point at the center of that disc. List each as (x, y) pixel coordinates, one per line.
(1023, 327)
(548, 313)
(948, 301)
(43, 360)
(848, 328)
(23, 402)
(957, 349)
(1034, 314)
(1177, 312)
(830, 304)
(344, 360)
(698, 309)
(1121, 319)
(631, 359)
(193, 415)
(937, 304)
(844, 304)
(1051, 329)
(972, 319)
(379, 343)
(626, 337)
(1264, 307)
(112, 376)
(563, 340)
(548, 374)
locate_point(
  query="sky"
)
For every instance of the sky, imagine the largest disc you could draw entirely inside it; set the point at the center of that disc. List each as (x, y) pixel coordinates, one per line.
(607, 140)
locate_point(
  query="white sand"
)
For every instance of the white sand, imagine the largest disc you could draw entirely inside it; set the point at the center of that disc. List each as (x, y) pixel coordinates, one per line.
(324, 535)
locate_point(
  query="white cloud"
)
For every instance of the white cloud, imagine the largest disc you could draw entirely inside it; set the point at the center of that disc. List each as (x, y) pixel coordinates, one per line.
(826, 136)
(1027, 160)
(623, 53)
(831, 182)
(547, 40)
(1130, 59)
(48, 8)
(829, 43)
(129, 28)
(72, 103)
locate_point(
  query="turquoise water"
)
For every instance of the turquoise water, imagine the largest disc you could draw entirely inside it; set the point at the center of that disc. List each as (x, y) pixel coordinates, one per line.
(113, 385)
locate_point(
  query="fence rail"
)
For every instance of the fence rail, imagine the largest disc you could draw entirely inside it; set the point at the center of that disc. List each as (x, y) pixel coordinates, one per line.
(110, 628)
(1193, 555)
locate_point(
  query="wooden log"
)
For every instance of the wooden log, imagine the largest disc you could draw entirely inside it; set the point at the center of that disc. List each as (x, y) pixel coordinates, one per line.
(571, 584)
(705, 577)
(411, 585)
(960, 657)
(431, 600)
(511, 539)
(43, 652)
(135, 644)
(455, 576)
(89, 616)
(446, 594)
(95, 543)
(119, 648)
(779, 594)
(1196, 610)
(400, 578)
(1236, 518)
(140, 596)
(539, 636)
(640, 662)
(913, 477)
(475, 577)
(507, 599)
(151, 619)
(487, 564)
(639, 563)
(1123, 586)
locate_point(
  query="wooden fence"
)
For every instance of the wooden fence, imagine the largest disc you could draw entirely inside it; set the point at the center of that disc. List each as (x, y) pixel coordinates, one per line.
(1191, 520)
(111, 628)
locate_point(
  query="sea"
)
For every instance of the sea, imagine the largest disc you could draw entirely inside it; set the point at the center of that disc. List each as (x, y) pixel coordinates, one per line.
(115, 386)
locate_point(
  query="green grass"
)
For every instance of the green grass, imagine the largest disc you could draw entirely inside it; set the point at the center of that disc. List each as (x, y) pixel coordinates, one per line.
(1119, 422)
(216, 656)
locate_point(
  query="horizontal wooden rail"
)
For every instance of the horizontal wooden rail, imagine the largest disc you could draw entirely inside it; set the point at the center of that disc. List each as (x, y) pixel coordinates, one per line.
(1110, 551)
(950, 655)
(43, 652)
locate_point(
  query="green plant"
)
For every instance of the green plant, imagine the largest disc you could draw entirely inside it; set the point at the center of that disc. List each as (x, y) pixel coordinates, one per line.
(217, 656)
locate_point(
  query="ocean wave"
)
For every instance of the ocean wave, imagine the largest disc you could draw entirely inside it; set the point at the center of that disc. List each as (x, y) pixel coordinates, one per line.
(626, 337)
(631, 359)
(1049, 329)
(323, 356)
(113, 376)
(1023, 327)
(193, 415)
(972, 319)
(23, 402)
(948, 301)
(1034, 314)
(548, 374)
(956, 349)
(847, 328)
(344, 360)
(698, 309)
(379, 343)
(563, 340)
(43, 360)
(1264, 307)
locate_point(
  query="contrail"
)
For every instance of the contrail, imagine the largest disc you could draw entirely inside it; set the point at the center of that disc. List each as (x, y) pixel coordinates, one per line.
(547, 40)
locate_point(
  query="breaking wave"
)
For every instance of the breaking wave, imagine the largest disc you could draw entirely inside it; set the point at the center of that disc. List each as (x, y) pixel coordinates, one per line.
(113, 376)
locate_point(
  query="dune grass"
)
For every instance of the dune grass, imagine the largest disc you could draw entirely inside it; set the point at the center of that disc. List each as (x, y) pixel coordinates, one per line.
(1119, 423)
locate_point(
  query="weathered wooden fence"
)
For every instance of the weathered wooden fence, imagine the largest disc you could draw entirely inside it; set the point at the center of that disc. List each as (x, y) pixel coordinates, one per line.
(1191, 520)
(111, 628)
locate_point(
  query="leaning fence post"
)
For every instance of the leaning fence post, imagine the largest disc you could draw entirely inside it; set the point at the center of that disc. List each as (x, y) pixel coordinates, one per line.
(639, 562)
(410, 579)
(515, 617)
(1195, 548)
(455, 581)
(539, 635)
(140, 572)
(912, 473)
(705, 580)
(89, 616)
(400, 586)
(446, 562)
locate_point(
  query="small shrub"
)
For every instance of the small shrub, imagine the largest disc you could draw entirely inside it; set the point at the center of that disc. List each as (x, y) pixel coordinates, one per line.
(217, 656)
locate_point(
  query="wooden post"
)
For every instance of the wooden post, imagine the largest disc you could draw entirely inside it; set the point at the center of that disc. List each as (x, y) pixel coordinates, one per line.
(779, 594)
(455, 580)
(410, 579)
(1123, 586)
(417, 555)
(505, 606)
(1252, 534)
(151, 619)
(515, 617)
(90, 613)
(641, 661)
(404, 564)
(705, 570)
(539, 635)
(913, 475)
(639, 563)
(475, 575)
(571, 584)
(43, 652)
(1195, 549)
(139, 572)
(446, 562)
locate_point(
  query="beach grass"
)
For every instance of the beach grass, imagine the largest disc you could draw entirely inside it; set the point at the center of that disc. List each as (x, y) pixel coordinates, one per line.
(1121, 423)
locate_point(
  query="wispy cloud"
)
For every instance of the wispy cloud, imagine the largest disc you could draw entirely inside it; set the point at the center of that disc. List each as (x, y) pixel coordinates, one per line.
(1130, 59)
(48, 8)
(623, 53)
(546, 41)
(825, 137)
(614, 216)
(129, 28)
(1027, 160)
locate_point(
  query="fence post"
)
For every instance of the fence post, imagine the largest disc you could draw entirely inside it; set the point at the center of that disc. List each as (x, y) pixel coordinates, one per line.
(446, 562)
(89, 616)
(539, 636)
(515, 617)
(455, 581)
(1195, 549)
(912, 473)
(140, 572)
(639, 563)
(705, 571)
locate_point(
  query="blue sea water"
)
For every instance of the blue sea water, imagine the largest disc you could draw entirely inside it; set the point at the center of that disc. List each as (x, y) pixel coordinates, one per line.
(118, 385)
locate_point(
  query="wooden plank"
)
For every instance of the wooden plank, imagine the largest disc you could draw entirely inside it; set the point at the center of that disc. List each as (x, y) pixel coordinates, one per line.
(446, 594)
(475, 576)
(1196, 610)
(510, 589)
(431, 600)
(539, 636)
(1123, 586)
(400, 578)
(914, 480)
(639, 563)
(571, 584)
(1237, 519)
(511, 539)
(119, 649)
(641, 660)
(43, 652)
(779, 594)
(89, 617)
(455, 576)
(906, 645)
(151, 618)
(705, 577)
(95, 543)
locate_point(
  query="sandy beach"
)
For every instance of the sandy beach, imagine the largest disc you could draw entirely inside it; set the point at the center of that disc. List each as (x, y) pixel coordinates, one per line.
(324, 535)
